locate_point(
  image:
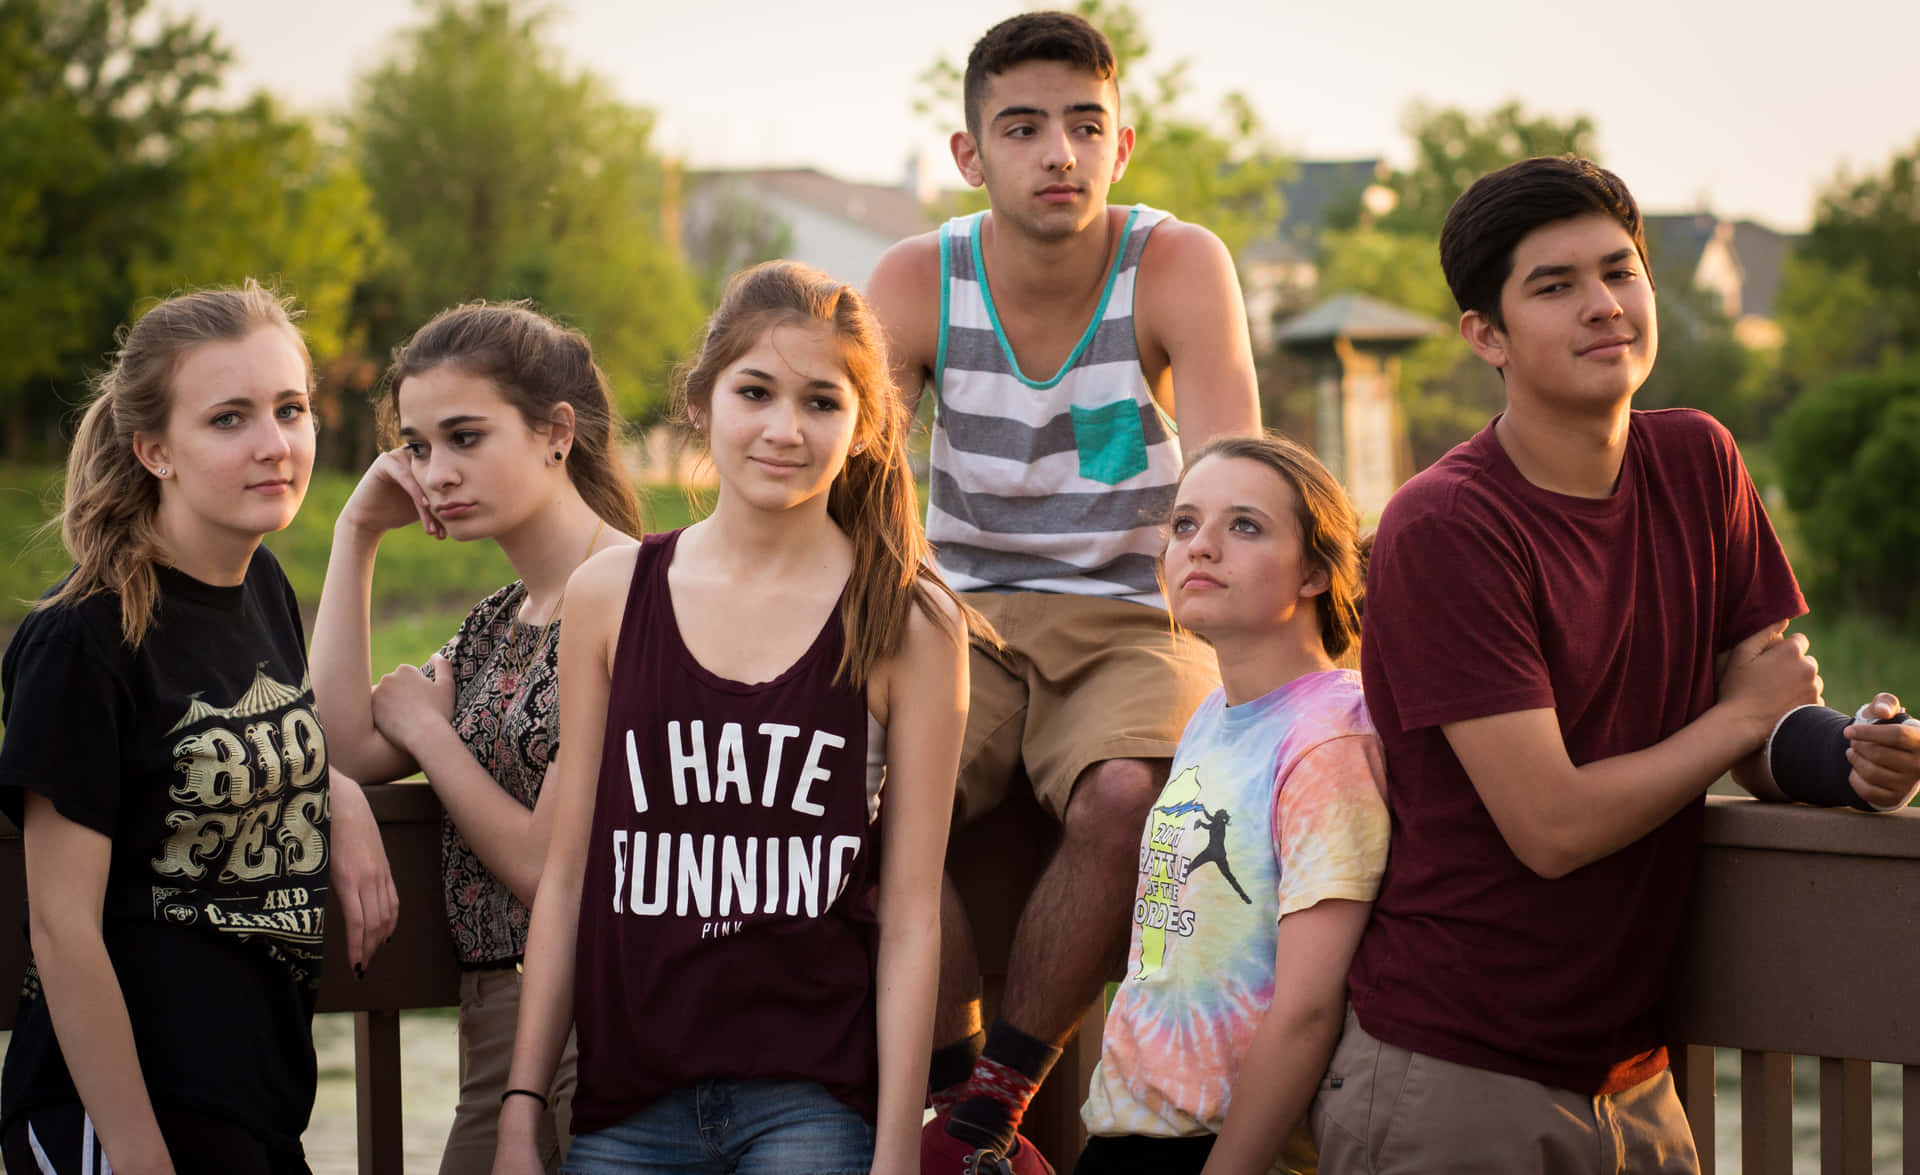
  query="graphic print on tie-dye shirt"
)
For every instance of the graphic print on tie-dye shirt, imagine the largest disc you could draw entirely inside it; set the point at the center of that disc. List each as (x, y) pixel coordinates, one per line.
(1270, 807)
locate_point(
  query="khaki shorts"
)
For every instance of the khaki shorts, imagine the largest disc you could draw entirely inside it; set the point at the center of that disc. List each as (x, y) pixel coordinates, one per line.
(1384, 1110)
(1081, 680)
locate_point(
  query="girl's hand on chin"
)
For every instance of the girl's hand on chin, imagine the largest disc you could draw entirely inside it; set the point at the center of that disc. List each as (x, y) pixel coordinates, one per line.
(389, 498)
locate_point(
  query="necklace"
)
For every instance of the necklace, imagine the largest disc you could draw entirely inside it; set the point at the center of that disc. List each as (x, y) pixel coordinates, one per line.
(512, 681)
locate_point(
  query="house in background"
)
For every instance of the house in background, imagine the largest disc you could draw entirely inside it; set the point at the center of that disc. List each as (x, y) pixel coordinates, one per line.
(1278, 272)
(1740, 261)
(832, 224)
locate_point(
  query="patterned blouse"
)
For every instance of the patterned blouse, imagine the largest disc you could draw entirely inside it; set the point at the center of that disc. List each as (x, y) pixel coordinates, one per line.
(509, 717)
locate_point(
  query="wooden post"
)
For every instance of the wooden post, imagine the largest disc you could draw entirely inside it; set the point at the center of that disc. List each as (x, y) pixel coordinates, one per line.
(376, 1084)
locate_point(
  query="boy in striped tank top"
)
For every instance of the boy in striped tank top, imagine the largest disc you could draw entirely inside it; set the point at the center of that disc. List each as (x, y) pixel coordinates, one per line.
(1050, 329)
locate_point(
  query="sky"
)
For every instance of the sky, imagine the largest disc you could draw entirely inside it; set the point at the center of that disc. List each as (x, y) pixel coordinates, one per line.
(1743, 107)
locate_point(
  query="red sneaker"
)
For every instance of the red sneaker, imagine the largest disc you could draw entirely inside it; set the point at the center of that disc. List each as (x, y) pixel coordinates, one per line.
(943, 1154)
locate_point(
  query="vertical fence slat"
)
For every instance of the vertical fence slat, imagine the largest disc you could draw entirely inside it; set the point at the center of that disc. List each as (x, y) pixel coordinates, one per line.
(1766, 1113)
(1693, 1081)
(1846, 1117)
(376, 1082)
(1910, 1119)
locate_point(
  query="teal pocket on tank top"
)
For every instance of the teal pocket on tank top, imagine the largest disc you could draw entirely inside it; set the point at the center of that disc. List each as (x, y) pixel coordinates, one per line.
(1111, 443)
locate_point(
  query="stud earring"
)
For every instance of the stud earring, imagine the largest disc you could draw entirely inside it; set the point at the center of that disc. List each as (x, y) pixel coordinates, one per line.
(559, 456)
(163, 472)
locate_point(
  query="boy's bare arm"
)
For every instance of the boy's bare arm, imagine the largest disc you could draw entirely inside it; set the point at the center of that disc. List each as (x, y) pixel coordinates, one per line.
(904, 291)
(1189, 307)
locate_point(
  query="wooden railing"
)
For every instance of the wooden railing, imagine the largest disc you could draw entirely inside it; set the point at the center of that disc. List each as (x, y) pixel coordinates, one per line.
(1803, 940)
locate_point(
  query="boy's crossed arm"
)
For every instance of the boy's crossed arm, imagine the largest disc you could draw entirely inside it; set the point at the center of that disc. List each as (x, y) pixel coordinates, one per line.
(1557, 816)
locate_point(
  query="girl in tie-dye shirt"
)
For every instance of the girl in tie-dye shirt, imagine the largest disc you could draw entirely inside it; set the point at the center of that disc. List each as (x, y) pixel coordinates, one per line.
(1260, 861)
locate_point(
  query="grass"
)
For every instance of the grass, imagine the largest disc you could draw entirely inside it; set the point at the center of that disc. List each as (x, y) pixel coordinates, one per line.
(422, 587)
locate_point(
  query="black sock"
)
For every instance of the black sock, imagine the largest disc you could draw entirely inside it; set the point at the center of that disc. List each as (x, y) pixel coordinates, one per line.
(951, 1066)
(1011, 1068)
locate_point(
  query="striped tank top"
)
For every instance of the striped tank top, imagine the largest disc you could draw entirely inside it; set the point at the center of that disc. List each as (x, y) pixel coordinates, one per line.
(1051, 485)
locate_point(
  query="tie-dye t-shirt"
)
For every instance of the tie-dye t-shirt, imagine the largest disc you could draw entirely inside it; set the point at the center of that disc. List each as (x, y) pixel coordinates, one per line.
(1270, 807)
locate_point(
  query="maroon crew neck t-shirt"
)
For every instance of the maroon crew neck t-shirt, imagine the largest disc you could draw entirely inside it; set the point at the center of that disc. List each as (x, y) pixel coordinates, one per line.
(1489, 595)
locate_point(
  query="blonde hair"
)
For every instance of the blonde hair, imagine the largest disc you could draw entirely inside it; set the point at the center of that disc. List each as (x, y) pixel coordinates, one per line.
(110, 505)
(873, 499)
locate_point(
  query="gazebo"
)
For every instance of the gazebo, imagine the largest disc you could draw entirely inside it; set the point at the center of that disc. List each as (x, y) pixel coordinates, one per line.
(1355, 343)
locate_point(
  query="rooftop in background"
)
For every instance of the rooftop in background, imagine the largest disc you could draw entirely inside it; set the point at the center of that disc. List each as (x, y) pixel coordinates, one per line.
(1740, 260)
(1320, 190)
(1357, 317)
(889, 211)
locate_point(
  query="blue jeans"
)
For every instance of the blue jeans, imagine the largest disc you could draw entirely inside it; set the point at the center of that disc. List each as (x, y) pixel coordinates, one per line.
(732, 1128)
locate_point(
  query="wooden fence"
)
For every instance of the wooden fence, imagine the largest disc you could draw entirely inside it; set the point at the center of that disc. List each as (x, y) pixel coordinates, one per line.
(1803, 940)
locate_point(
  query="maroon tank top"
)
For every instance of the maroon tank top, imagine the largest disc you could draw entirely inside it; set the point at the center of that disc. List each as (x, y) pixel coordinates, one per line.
(727, 915)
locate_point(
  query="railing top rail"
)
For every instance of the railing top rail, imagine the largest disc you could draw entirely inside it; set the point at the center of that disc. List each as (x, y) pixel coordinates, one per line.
(1748, 823)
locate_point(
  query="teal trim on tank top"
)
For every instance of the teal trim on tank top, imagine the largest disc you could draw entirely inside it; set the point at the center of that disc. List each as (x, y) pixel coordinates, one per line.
(946, 276)
(993, 315)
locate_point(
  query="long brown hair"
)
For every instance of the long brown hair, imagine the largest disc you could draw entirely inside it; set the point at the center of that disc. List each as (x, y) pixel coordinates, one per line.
(537, 364)
(873, 499)
(1329, 529)
(110, 505)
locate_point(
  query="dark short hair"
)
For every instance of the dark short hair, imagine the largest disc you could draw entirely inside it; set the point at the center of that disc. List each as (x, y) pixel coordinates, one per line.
(1034, 36)
(1492, 216)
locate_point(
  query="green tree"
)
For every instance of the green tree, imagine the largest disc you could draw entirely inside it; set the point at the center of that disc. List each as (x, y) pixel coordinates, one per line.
(94, 101)
(1846, 448)
(1701, 364)
(1445, 392)
(1218, 170)
(1871, 225)
(264, 196)
(1454, 147)
(500, 172)
(1850, 294)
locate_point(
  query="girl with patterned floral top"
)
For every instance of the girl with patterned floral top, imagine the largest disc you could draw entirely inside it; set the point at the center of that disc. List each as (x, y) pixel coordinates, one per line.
(1259, 862)
(507, 432)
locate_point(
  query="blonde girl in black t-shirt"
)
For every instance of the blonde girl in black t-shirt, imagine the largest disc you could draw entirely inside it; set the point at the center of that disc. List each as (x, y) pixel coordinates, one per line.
(505, 431)
(163, 759)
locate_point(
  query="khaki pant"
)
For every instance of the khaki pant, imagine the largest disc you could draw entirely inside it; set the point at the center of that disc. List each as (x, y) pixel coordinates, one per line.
(1383, 1110)
(489, 1014)
(1080, 680)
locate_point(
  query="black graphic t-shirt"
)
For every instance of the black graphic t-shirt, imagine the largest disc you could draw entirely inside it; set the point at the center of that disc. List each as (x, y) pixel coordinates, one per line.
(199, 755)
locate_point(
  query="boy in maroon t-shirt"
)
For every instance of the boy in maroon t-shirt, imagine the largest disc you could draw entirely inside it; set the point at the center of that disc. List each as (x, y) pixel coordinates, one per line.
(1574, 625)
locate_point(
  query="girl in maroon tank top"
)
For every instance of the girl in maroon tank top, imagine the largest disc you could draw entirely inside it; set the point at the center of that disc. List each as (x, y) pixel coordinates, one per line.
(740, 906)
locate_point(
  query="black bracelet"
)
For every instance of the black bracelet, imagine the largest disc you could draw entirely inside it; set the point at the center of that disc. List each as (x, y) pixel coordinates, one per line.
(538, 1097)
